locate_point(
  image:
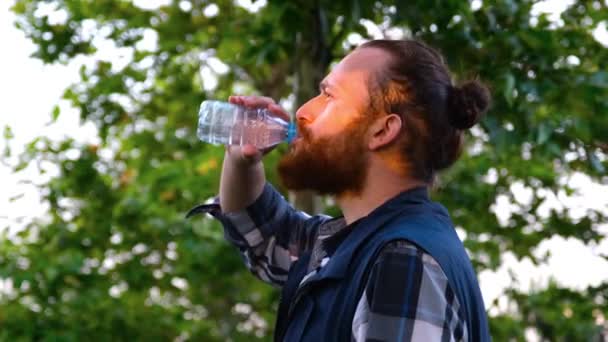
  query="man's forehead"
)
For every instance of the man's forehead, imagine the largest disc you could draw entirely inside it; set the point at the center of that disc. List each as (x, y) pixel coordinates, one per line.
(355, 69)
(369, 59)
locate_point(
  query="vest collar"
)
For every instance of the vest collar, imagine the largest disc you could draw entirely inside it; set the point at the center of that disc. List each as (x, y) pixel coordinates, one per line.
(408, 202)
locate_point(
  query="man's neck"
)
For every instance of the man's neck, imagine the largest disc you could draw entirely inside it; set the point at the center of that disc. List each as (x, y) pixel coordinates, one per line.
(380, 186)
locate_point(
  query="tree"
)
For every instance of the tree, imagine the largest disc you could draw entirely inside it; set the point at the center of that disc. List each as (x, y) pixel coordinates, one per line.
(115, 258)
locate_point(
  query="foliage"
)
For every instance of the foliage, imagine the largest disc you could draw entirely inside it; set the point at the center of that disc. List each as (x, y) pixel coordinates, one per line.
(115, 259)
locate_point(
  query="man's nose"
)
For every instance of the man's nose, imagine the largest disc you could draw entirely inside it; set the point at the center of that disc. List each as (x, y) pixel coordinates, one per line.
(304, 114)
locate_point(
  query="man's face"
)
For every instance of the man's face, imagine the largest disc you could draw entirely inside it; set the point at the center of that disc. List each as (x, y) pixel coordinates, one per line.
(331, 154)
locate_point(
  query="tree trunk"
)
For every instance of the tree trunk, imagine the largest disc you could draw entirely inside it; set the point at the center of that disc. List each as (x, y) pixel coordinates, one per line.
(313, 56)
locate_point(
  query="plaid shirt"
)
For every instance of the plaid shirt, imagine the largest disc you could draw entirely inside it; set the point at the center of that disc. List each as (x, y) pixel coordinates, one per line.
(407, 296)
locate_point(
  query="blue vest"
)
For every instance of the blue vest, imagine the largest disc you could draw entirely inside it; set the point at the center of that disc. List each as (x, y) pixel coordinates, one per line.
(323, 306)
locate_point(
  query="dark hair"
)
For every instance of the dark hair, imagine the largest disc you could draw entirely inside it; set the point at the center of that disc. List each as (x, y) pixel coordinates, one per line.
(416, 84)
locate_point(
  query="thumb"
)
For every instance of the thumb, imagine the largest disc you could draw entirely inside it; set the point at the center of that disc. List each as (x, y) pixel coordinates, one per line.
(250, 153)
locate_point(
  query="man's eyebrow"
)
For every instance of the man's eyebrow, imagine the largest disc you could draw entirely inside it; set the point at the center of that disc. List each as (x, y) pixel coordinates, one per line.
(324, 85)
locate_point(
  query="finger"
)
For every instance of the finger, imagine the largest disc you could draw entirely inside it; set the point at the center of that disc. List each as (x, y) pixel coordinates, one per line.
(257, 101)
(236, 99)
(249, 151)
(278, 110)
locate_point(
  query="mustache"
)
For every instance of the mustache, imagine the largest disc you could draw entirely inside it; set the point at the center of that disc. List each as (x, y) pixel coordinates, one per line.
(304, 132)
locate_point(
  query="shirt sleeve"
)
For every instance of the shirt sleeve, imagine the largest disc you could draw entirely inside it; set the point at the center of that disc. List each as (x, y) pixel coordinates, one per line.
(407, 298)
(270, 234)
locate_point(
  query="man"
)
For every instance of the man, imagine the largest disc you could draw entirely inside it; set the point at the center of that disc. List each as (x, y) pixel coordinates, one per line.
(387, 119)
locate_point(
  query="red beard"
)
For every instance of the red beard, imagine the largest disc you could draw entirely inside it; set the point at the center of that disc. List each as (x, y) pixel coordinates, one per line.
(332, 165)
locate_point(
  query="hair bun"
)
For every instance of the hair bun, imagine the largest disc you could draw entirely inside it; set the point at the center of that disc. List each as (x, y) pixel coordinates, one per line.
(467, 104)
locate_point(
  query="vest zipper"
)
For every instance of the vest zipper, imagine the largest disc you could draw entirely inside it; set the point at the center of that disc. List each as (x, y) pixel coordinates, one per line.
(296, 298)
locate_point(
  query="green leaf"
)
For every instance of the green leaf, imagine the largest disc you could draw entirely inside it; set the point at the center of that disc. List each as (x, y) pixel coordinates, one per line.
(55, 113)
(543, 133)
(596, 163)
(8, 133)
(508, 87)
(16, 197)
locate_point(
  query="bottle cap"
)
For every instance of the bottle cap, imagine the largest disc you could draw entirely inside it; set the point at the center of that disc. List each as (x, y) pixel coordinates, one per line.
(291, 132)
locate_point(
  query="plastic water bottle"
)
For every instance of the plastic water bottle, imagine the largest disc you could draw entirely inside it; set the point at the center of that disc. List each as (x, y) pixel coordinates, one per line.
(223, 123)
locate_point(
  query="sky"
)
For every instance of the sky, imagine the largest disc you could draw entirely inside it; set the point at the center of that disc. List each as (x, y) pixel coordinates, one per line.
(29, 90)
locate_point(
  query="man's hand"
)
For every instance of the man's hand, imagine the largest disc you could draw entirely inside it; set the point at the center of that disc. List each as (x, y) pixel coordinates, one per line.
(249, 154)
(243, 176)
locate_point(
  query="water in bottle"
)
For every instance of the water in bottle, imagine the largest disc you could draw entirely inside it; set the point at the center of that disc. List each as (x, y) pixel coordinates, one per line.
(223, 123)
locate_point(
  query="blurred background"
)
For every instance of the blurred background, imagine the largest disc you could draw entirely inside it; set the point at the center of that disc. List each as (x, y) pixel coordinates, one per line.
(100, 160)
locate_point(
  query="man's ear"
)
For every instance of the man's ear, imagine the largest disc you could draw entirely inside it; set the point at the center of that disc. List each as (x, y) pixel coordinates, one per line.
(384, 131)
